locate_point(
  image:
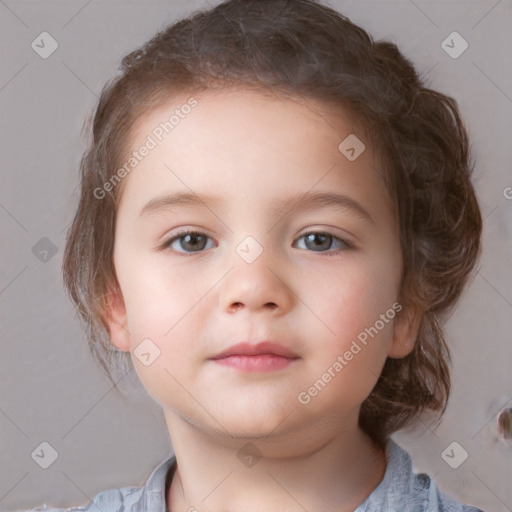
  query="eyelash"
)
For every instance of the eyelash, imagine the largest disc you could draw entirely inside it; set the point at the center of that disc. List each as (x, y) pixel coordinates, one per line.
(348, 246)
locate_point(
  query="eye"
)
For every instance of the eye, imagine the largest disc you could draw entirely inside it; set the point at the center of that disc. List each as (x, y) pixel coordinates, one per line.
(319, 241)
(189, 241)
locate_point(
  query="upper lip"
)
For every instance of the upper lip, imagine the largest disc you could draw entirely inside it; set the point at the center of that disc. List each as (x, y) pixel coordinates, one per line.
(250, 349)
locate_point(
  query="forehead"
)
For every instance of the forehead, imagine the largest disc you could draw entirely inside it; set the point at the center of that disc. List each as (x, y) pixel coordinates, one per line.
(234, 113)
(247, 138)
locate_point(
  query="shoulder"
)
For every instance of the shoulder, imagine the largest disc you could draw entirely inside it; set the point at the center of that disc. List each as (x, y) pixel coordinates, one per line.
(111, 500)
(126, 499)
(405, 490)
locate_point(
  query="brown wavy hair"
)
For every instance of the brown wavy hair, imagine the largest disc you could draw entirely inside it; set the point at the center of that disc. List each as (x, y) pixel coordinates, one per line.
(304, 49)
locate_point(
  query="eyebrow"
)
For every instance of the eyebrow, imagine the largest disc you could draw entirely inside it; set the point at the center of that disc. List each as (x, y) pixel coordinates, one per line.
(277, 208)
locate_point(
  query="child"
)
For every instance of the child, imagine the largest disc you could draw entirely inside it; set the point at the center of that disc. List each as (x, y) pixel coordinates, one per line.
(233, 145)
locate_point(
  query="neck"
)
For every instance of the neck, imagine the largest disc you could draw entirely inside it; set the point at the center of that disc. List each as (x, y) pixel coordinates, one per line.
(335, 471)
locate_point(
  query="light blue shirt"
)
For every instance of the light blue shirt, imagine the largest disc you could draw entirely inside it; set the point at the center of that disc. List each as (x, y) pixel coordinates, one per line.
(401, 490)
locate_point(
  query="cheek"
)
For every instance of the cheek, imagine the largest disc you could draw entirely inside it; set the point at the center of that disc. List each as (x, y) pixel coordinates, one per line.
(348, 358)
(351, 302)
(163, 309)
(354, 300)
(167, 321)
(155, 303)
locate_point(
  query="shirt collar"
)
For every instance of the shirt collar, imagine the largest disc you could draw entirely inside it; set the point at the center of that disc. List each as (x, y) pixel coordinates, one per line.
(154, 493)
(399, 481)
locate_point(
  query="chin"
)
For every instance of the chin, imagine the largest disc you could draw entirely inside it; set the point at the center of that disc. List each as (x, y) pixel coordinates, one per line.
(254, 424)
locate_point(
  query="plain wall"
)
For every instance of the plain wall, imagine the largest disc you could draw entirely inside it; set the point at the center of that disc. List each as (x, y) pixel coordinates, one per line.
(50, 387)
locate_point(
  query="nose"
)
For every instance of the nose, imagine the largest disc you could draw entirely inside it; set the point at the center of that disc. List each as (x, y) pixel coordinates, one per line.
(256, 287)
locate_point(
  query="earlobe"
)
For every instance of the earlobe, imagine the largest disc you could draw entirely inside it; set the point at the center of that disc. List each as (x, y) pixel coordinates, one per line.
(405, 332)
(115, 319)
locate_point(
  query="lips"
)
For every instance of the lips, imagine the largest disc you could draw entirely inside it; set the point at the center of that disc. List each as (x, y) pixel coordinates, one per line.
(263, 358)
(269, 348)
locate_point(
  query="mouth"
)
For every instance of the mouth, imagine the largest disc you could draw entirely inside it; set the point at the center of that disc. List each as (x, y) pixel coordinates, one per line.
(262, 357)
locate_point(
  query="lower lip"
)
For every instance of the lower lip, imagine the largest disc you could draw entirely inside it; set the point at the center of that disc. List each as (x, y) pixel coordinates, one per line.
(256, 363)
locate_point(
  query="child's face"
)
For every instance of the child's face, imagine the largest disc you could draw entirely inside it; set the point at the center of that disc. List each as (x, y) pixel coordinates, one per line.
(315, 296)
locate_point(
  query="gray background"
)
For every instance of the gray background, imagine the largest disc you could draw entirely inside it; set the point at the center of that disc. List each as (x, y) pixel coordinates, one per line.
(51, 390)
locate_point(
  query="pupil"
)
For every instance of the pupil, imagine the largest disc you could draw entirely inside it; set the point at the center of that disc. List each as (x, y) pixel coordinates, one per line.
(192, 240)
(321, 238)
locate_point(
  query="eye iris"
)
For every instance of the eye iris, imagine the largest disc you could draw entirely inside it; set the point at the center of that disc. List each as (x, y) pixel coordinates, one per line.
(319, 237)
(192, 239)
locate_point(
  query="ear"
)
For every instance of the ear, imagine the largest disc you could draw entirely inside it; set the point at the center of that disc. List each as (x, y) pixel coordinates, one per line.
(405, 331)
(115, 319)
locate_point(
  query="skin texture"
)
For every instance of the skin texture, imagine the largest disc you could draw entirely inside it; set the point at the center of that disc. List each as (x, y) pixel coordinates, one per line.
(254, 150)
